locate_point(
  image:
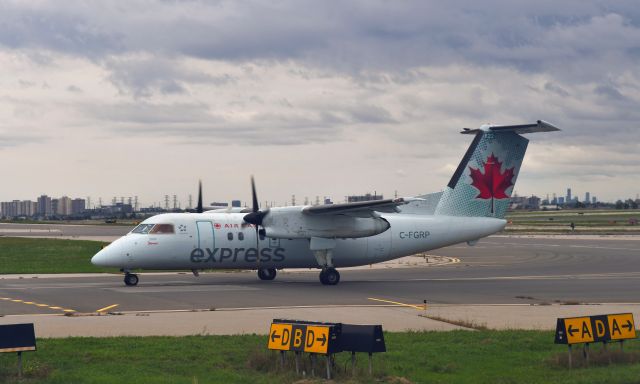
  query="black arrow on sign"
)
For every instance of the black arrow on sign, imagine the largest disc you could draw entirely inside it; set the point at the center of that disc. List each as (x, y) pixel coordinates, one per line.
(274, 336)
(323, 339)
(628, 325)
(571, 330)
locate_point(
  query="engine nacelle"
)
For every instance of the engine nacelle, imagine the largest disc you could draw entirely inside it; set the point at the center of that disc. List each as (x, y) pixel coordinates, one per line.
(292, 223)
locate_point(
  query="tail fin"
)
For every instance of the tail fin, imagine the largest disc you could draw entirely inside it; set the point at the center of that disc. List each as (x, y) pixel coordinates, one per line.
(483, 182)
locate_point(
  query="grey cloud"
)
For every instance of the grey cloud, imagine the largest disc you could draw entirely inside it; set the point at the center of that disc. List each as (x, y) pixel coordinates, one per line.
(369, 114)
(148, 115)
(609, 92)
(551, 87)
(573, 39)
(9, 141)
(26, 83)
(141, 77)
(74, 89)
(195, 124)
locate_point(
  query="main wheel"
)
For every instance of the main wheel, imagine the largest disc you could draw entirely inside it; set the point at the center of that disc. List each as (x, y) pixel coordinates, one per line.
(131, 279)
(329, 276)
(267, 273)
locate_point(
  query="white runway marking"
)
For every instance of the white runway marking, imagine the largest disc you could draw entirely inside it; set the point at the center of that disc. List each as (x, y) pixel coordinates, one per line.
(181, 289)
(564, 245)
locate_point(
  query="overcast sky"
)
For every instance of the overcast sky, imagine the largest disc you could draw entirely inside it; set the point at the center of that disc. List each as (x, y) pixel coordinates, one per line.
(315, 98)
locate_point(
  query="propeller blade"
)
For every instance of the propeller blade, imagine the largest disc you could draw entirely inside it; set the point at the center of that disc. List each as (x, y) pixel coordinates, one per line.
(254, 196)
(199, 207)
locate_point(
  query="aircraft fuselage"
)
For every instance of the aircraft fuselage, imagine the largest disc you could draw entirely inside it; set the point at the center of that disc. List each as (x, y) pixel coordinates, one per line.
(223, 241)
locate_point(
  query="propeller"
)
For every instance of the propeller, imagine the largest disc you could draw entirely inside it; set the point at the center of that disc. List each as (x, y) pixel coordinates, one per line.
(199, 207)
(256, 216)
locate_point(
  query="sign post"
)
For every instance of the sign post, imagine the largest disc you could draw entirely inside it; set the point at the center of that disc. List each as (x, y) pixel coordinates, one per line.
(17, 338)
(326, 339)
(592, 329)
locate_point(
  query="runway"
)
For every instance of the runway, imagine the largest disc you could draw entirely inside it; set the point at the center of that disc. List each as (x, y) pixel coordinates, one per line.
(499, 270)
(65, 231)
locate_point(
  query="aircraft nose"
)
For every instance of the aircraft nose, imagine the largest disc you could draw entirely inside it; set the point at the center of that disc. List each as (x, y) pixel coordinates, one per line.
(100, 258)
(111, 255)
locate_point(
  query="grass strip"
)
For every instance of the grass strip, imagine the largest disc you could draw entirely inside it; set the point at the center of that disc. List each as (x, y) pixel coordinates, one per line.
(27, 255)
(413, 357)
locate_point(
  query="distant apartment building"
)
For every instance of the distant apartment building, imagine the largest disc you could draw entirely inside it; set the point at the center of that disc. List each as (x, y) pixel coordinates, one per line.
(17, 208)
(28, 208)
(78, 206)
(236, 203)
(54, 206)
(569, 198)
(587, 197)
(44, 206)
(9, 208)
(63, 207)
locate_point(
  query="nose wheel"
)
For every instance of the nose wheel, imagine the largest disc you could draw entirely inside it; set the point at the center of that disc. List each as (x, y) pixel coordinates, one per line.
(329, 276)
(267, 273)
(130, 279)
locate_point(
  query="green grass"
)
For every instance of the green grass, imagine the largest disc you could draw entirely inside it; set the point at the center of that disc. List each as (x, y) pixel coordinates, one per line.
(26, 255)
(433, 357)
(593, 221)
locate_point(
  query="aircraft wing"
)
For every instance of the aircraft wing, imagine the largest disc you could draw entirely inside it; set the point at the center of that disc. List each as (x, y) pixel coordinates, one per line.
(359, 208)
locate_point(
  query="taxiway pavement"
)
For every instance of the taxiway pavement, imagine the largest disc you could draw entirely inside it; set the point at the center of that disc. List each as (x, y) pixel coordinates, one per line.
(524, 272)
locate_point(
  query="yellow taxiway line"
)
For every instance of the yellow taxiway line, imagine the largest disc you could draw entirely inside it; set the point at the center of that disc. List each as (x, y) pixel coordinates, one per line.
(418, 307)
(37, 304)
(107, 308)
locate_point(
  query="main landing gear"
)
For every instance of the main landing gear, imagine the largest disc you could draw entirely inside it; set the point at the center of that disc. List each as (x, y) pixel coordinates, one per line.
(329, 276)
(323, 251)
(267, 273)
(130, 279)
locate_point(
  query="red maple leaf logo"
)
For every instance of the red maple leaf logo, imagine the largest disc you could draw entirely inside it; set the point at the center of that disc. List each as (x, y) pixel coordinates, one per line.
(492, 184)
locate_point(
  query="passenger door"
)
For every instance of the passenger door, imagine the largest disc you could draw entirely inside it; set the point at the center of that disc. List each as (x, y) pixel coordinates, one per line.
(205, 235)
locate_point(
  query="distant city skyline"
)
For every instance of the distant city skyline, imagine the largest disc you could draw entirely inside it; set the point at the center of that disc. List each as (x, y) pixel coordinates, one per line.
(167, 201)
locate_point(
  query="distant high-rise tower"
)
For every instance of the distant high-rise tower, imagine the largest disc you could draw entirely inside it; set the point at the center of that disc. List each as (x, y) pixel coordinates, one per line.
(44, 206)
(568, 194)
(587, 197)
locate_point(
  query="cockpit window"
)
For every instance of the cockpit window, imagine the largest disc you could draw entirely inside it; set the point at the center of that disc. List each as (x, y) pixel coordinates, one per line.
(162, 229)
(142, 228)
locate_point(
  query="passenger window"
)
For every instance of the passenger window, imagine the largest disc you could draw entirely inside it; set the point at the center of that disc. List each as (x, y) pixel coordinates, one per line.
(240, 236)
(230, 236)
(160, 229)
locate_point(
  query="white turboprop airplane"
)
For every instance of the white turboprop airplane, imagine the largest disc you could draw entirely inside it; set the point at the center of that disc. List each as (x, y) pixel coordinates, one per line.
(472, 206)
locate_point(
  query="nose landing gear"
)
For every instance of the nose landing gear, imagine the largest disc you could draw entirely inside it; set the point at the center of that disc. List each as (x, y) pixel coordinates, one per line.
(130, 279)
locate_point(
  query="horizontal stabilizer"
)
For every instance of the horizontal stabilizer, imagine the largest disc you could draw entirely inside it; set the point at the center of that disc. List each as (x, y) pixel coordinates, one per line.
(539, 126)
